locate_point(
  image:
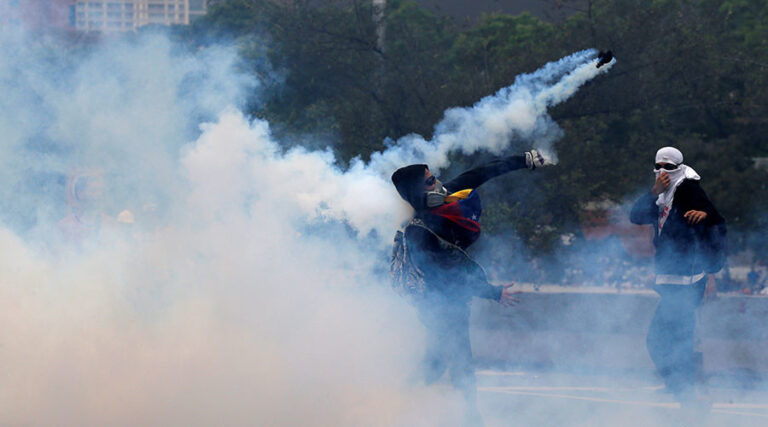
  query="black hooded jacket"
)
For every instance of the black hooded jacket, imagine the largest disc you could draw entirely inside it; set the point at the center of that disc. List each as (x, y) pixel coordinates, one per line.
(683, 249)
(450, 273)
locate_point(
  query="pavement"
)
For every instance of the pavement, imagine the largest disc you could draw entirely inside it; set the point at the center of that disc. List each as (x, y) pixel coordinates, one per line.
(576, 356)
(531, 398)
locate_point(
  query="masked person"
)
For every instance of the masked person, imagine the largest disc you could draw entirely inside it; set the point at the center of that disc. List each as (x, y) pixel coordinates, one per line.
(445, 224)
(689, 240)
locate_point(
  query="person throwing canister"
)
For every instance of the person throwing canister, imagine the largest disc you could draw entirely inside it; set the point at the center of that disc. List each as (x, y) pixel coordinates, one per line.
(433, 245)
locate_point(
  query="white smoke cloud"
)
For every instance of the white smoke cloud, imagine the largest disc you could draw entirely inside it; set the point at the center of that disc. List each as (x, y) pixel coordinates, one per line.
(257, 298)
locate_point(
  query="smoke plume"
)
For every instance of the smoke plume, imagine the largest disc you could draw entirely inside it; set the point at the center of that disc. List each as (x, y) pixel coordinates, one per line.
(167, 262)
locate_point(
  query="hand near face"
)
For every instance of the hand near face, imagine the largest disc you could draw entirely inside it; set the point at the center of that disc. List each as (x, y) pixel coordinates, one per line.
(662, 183)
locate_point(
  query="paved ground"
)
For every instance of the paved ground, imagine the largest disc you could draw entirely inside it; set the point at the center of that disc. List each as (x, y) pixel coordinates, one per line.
(556, 399)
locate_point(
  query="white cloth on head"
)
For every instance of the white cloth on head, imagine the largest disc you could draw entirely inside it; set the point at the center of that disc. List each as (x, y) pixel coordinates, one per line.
(669, 155)
(676, 177)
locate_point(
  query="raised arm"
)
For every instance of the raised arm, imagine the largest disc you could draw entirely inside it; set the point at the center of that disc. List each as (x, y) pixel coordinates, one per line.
(476, 177)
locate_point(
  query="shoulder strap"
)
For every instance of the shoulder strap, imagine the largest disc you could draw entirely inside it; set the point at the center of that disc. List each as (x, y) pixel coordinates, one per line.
(421, 224)
(416, 222)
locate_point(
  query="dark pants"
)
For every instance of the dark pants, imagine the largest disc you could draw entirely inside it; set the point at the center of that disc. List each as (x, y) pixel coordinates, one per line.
(448, 346)
(670, 338)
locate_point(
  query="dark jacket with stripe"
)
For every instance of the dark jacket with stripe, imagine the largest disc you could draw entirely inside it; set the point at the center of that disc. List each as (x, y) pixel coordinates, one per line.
(683, 249)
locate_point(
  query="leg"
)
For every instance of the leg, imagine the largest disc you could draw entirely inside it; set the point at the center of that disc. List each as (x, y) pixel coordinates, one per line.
(448, 346)
(684, 336)
(461, 364)
(671, 336)
(657, 340)
(434, 362)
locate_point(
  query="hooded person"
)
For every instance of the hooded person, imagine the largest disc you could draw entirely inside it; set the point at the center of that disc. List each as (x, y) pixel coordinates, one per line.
(445, 224)
(84, 193)
(689, 238)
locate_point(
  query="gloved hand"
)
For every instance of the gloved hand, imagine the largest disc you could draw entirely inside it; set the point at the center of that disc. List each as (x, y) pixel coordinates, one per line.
(534, 159)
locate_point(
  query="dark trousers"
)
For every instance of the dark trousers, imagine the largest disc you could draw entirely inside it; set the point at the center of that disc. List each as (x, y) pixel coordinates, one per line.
(671, 337)
(448, 346)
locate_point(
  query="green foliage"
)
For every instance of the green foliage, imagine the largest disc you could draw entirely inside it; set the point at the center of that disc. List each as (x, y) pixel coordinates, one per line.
(690, 73)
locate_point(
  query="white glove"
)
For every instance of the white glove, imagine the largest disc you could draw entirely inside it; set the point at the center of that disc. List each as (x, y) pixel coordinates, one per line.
(534, 159)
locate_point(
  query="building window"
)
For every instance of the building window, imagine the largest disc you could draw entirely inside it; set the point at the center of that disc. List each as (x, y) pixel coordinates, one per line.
(72, 16)
(197, 5)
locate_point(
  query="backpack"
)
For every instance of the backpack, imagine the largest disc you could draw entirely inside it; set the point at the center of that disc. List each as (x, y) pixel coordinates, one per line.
(407, 279)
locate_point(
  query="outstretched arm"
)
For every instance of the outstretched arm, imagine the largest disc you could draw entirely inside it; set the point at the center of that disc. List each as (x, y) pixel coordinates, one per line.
(476, 177)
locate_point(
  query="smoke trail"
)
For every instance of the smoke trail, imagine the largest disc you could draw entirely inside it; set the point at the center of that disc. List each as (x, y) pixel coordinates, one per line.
(256, 297)
(515, 114)
(362, 196)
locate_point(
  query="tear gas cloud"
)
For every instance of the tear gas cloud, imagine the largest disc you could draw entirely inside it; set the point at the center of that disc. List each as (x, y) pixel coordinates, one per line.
(215, 278)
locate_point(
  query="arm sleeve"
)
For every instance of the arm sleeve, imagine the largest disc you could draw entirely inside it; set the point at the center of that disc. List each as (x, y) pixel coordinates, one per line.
(690, 196)
(475, 177)
(714, 246)
(644, 211)
(448, 263)
(712, 232)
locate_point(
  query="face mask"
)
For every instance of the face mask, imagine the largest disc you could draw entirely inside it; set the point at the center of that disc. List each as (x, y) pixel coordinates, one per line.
(436, 197)
(673, 174)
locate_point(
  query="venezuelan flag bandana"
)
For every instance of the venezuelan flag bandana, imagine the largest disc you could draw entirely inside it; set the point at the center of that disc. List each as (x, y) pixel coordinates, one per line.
(462, 209)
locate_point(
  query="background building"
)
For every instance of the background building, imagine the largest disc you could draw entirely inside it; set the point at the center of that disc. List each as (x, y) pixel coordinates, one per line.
(37, 14)
(98, 15)
(128, 15)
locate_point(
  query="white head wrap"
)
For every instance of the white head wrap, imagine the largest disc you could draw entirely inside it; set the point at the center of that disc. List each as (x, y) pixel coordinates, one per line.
(669, 155)
(674, 156)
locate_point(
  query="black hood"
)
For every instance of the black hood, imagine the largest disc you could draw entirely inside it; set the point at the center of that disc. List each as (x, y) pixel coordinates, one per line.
(409, 181)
